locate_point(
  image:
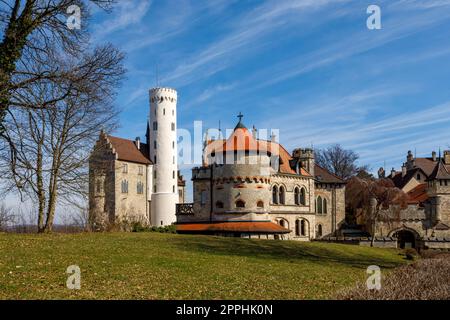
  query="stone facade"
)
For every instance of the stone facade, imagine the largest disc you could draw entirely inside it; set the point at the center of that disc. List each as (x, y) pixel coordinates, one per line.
(261, 181)
(120, 182)
(426, 220)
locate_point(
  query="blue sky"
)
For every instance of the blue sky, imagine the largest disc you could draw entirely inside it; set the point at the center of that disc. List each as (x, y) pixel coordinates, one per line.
(309, 68)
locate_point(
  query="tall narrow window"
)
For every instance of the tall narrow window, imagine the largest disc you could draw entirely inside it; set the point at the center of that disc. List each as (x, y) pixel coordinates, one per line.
(297, 227)
(319, 204)
(140, 187)
(297, 196)
(155, 125)
(173, 126)
(125, 168)
(319, 231)
(302, 228)
(154, 144)
(282, 195)
(324, 205)
(275, 195)
(303, 196)
(124, 186)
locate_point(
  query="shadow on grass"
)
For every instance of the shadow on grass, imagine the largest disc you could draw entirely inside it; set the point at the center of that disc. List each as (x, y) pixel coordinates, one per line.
(291, 251)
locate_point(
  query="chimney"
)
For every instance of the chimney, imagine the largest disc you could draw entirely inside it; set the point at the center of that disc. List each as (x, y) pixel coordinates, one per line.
(138, 143)
(410, 160)
(433, 155)
(447, 156)
(392, 172)
(403, 170)
(254, 133)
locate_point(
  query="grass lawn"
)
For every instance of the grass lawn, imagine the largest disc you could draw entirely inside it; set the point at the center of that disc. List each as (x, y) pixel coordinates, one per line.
(169, 266)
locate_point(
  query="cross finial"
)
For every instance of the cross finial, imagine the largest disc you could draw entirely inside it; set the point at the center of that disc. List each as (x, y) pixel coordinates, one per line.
(240, 115)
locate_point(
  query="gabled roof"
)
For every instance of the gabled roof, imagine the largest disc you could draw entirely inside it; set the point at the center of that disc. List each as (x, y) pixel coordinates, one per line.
(322, 175)
(126, 150)
(400, 181)
(426, 164)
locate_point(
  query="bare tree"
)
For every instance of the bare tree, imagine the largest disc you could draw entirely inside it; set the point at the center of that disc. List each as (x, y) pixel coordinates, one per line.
(375, 200)
(339, 161)
(52, 144)
(6, 217)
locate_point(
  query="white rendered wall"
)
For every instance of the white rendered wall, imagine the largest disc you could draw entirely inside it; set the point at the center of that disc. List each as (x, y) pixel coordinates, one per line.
(163, 111)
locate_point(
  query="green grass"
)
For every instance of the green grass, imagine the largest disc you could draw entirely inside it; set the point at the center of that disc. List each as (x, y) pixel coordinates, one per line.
(169, 266)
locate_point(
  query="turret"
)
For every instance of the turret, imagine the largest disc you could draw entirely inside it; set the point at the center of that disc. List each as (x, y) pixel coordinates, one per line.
(305, 157)
(163, 154)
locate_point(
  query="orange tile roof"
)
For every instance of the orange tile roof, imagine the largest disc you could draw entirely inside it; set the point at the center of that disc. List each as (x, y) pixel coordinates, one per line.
(232, 227)
(242, 140)
(418, 194)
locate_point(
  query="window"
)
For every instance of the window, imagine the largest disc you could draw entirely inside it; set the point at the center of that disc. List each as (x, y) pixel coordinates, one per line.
(140, 187)
(155, 125)
(203, 196)
(154, 144)
(297, 196)
(260, 204)
(173, 112)
(297, 227)
(124, 186)
(319, 231)
(140, 170)
(281, 222)
(324, 207)
(173, 188)
(219, 204)
(154, 158)
(173, 174)
(173, 126)
(164, 111)
(418, 176)
(319, 204)
(240, 204)
(173, 144)
(282, 195)
(303, 196)
(275, 194)
(125, 168)
(302, 228)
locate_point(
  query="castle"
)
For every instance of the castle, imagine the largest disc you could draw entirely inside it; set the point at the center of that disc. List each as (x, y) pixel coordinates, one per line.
(259, 190)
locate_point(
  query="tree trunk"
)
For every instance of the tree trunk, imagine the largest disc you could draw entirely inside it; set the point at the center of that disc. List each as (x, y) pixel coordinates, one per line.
(40, 190)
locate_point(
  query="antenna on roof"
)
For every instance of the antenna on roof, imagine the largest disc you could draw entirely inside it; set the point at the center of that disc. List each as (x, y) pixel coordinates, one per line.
(220, 132)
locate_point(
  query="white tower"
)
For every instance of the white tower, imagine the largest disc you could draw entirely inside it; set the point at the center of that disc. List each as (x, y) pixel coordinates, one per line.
(163, 153)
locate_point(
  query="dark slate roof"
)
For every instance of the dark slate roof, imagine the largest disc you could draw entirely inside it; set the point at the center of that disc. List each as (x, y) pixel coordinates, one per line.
(324, 176)
(400, 181)
(441, 171)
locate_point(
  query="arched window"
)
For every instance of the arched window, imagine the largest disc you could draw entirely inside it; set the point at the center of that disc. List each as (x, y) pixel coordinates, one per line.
(240, 204)
(219, 204)
(260, 204)
(297, 196)
(303, 196)
(324, 205)
(319, 231)
(297, 227)
(282, 195)
(302, 228)
(282, 223)
(275, 194)
(319, 204)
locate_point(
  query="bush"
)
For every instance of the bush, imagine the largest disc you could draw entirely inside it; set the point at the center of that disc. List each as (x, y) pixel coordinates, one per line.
(166, 229)
(426, 279)
(411, 254)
